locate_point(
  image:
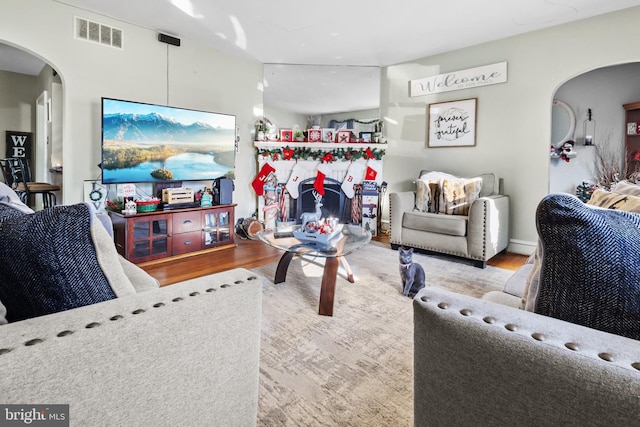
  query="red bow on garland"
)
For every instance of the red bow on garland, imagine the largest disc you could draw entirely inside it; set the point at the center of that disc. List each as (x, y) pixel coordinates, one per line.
(369, 154)
(328, 158)
(287, 153)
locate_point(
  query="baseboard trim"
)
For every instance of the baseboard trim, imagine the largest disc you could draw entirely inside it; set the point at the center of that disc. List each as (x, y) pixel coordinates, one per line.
(521, 247)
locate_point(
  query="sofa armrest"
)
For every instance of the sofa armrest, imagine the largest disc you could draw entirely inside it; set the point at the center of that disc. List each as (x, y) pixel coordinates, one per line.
(399, 203)
(480, 363)
(488, 231)
(185, 354)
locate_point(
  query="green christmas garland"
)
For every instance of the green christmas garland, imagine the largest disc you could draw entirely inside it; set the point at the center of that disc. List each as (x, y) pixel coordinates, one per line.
(326, 156)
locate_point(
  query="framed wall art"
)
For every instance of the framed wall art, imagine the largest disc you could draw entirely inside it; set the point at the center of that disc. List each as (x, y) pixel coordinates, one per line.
(366, 136)
(452, 124)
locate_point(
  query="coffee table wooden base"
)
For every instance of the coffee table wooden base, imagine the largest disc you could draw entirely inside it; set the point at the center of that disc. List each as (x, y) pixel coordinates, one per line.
(329, 275)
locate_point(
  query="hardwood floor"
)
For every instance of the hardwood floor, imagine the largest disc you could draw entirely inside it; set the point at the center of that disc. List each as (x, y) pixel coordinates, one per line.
(252, 253)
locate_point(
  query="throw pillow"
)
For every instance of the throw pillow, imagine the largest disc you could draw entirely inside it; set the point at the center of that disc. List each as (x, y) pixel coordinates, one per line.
(456, 195)
(427, 195)
(9, 198)
(8, 210)
(532, 285)
(615, 200)
(428, 191)
(589, 272)
(50, 263)
(108, 259)
(626, 187)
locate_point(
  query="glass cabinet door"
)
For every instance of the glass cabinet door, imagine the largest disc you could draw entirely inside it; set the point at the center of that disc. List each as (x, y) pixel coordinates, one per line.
(224, 229)
(217, 227)
(150, 237)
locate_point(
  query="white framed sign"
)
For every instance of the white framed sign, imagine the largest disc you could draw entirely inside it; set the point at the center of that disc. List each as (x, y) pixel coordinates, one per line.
(452, 124)
(126, 190)
(464, 79)
(96, 193)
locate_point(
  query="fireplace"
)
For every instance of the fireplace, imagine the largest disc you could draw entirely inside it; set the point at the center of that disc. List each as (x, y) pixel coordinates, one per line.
(334, 202)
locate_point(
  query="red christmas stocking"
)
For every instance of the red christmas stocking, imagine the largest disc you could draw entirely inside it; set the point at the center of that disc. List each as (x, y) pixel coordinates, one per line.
(258, 181)
(374, 171)
(318, 184)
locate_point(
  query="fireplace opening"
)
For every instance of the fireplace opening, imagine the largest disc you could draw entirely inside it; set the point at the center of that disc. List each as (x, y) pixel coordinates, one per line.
(334, 202)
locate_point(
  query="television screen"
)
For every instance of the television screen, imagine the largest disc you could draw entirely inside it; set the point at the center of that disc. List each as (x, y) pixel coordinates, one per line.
(146, 143)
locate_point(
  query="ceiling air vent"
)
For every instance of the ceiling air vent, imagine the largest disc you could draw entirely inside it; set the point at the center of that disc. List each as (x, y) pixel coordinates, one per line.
(98, 33)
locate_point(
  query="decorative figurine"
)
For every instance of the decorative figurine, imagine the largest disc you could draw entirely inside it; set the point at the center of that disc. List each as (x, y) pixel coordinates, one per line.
(310, 220)
(130, 207)
(207, 198)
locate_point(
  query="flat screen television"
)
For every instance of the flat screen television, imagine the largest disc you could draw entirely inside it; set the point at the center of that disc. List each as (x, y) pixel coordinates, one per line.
(156, 143)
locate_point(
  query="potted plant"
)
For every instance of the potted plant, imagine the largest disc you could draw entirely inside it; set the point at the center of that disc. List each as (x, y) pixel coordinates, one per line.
(261, 129)
(298, 135)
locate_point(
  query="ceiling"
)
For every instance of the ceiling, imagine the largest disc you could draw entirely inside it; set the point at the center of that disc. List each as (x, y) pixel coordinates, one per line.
(352, 33)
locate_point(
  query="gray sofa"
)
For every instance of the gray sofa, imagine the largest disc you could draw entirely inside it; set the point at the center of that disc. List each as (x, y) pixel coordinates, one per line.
(185, 354)
(489, 362)
(477, 363)
(478, 236)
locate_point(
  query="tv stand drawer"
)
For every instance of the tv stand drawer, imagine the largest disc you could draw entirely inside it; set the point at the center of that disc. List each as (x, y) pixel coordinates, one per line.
(185, 222)
(186, 242)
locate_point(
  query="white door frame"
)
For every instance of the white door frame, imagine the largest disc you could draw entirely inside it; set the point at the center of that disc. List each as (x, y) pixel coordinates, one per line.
(43, 117)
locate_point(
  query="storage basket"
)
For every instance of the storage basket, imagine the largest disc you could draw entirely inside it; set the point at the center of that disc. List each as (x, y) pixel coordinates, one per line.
(147, 206)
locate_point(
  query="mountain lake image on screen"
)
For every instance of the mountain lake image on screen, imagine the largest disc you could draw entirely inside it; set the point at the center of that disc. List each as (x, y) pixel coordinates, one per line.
(155, 143)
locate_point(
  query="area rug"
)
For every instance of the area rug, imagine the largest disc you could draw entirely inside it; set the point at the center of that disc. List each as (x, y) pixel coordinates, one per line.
(355, 368)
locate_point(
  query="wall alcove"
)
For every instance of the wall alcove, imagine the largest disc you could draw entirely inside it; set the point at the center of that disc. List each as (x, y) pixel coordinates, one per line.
(604, 91)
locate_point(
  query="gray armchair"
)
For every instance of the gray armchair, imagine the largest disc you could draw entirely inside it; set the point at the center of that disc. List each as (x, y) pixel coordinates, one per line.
(478, 236)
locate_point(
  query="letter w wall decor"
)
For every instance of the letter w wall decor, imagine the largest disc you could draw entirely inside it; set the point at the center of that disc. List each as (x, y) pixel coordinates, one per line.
(19, 144)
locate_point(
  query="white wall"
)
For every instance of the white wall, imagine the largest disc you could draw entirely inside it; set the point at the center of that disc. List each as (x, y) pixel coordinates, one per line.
(514, 118)
(17, 105)
(604, 90)
(285, 119)
(145, 70)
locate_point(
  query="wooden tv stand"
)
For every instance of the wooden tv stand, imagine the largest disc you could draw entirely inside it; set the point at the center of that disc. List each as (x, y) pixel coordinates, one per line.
(151, 237)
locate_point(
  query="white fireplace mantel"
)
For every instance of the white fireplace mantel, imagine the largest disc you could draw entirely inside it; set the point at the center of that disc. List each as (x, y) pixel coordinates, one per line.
(284, 167)
(329, 146)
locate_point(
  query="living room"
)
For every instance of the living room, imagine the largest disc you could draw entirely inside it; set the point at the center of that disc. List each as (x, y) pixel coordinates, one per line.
(514, 118)
(216, 81)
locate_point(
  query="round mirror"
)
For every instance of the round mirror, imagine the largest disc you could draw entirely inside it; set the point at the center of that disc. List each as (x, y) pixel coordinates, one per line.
(563, 123)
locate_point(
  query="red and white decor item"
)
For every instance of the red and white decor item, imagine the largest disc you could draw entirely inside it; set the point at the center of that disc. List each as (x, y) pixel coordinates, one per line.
(374, 171)
(354, 176)
(259, 180)
(344, 136)
(314, 135)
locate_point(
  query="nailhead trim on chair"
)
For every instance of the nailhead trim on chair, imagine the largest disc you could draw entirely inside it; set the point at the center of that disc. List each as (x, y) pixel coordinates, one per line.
(116, 317)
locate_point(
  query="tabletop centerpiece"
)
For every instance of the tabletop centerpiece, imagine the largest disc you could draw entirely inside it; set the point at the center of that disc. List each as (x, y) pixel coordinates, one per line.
(314, 228)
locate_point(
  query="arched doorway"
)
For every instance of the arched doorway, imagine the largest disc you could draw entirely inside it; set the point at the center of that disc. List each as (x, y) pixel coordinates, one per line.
(31, 99)
(603, 91)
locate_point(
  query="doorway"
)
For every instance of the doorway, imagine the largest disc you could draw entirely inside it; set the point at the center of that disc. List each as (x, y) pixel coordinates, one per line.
(603, 91)
(31, 95)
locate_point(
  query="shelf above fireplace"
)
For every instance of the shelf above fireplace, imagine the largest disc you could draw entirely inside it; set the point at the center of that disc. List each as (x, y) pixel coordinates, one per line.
(319, 145)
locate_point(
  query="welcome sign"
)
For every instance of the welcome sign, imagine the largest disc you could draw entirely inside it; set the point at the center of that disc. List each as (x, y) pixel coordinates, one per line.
(464, 79)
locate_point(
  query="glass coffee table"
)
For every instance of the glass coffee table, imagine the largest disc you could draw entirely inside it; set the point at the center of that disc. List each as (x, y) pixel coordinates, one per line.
(350, 240)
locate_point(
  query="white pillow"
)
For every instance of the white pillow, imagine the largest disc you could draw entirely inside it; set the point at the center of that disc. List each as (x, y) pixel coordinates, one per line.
(457, 195)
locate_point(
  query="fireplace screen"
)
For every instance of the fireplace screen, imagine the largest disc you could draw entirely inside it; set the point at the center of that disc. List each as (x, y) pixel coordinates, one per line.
(334, 202)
